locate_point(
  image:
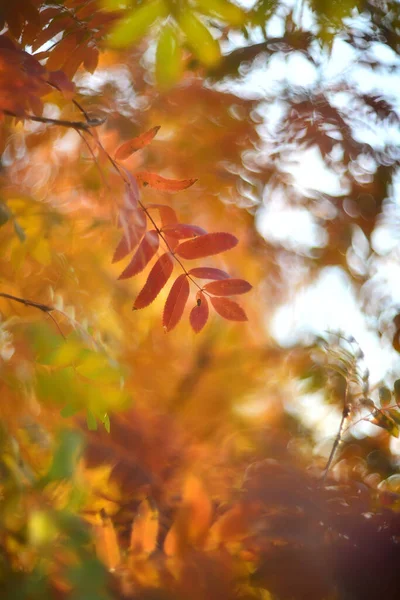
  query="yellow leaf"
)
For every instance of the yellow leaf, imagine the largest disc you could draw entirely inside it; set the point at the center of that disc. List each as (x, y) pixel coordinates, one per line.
(169, 64)
(136, 23)
(204, 46)
(221, 9)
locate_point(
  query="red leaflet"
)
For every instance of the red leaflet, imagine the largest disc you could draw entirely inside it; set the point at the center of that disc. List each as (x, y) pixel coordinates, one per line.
(168, 217)
(131, 190)
(206, 245)
(199, 314)
(228, 287)
(167, 214)
(156, 280)
(176, 302)
(181, 231)
(160, 183)
(208, 273)
(137, 143)
(133, 232)
(228, 309)
(143, 255)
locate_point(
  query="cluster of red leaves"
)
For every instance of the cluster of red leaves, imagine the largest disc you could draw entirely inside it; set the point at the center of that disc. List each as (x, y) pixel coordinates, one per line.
(182, 241)
(23, 80)
(82, 25)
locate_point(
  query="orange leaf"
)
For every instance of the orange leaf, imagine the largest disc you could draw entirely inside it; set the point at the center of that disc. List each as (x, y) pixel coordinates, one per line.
(133, 232)
(137, 143)
(156, 280)
(176, 302)
(228, 287)
(228, 309)
(144, 530)
(143, 255)
(161, 183)
(181, 231)
(192, 520)
(199, 314)
(206, 245)
(232, 526)
(208, 273)
(106, 543)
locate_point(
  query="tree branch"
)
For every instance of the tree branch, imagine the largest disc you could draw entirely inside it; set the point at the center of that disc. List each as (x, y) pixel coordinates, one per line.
(79, 125)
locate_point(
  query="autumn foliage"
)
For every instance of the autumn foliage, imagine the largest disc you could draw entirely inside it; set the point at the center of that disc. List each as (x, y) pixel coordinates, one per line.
(160, 438)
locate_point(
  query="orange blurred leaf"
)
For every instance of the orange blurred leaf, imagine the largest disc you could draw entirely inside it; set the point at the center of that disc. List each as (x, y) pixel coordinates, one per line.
(192, 520)
(144, 529)
(106, 543)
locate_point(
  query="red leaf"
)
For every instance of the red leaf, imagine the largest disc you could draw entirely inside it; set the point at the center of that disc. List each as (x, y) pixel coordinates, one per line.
(206, 245)
(176, 302)
(168, 217)
(156, 280)
(133, 232)
(59, 80)
(137, 143)
(199, 314)
(208, 273)
(143, 255)
(131, 190)
(228, 287)
(228, 309)
(160, 183)
(167, 214)
(181, 231)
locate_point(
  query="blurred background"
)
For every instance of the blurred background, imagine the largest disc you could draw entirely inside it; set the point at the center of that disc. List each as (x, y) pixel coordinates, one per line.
(287, 113)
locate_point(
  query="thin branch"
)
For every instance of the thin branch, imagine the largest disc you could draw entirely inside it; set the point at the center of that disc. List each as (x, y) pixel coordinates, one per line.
(77, 125)
(43, 307)
(146, 211)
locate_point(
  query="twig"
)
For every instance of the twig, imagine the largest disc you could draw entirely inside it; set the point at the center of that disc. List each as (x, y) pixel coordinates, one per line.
(43, 307)
(78, 125)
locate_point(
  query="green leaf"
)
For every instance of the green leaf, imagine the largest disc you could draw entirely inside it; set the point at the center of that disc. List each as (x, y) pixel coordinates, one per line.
(68, 411)
(382, 420)
(91, 421)
(223, 10)
(67, 453)
(200, 40)
(19, 231)
(385, 396)
(137, 23)
(5, 214)
(169, 64)
(106, 422)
